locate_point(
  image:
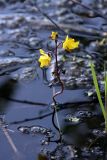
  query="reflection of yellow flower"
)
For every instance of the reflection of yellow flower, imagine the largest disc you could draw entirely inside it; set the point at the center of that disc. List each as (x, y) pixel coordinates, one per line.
(54, 35)
(44, 59)
(70, 44)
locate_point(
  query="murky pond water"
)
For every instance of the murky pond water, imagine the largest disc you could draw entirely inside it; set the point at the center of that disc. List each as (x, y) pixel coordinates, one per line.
(27, 131)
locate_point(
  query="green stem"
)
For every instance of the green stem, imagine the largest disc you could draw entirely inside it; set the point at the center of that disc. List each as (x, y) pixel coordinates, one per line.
(98, 90)
(105, 80)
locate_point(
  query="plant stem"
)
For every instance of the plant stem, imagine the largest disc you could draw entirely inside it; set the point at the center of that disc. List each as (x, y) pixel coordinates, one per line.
(55, 94)
(98, 90)
(56, 114)
(57, 74)
(105, 80)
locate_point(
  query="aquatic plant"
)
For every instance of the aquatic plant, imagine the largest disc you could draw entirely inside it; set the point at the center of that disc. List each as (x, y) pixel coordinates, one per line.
(102, 106)
(45, 60)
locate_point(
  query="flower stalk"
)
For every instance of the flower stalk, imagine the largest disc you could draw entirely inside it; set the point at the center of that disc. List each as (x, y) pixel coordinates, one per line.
(55, 94)
(45, 60)
(57, 74)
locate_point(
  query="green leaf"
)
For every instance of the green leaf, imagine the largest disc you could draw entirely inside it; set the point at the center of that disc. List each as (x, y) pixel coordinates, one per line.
(98, 90)
(106, 86)
(105, 80)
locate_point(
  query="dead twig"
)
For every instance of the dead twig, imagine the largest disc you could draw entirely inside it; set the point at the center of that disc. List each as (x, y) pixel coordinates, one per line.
(9, 139)
(26, 45)
(89, 8)
(62, 107)
(50, 19)
(30, 119)
(26, 102)
(76, 29)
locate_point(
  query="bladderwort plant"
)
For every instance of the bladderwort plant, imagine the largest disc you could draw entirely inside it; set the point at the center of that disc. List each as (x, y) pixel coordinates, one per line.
(45, 61)
(103, 106)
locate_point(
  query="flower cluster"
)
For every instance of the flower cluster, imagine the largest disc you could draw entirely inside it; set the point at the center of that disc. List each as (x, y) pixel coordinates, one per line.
(68, 44)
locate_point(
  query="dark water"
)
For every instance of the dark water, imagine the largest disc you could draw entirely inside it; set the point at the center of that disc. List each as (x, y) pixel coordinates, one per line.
(34, 91)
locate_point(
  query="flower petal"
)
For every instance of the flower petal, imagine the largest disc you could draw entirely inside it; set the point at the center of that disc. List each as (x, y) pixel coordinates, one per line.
(70, 44)
(54, 35)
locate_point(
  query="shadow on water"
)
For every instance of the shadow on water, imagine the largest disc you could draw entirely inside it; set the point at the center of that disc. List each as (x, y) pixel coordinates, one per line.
(7, 89)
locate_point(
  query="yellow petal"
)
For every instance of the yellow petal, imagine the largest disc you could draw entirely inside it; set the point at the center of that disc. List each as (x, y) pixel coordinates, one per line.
(42, 52)
(67, 38)
(54, 35)
(70, 44)
(44, 60)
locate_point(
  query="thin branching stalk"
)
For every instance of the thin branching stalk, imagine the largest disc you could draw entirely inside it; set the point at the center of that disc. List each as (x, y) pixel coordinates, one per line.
(57, 74)
(55, 114)
(55, 94)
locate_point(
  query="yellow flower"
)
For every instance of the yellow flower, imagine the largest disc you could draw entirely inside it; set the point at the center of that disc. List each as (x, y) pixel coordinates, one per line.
(70, 44)
(54, 35)
(44, 59)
